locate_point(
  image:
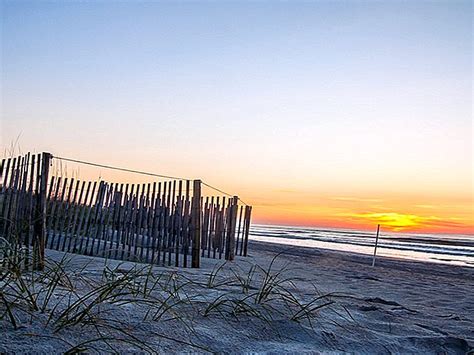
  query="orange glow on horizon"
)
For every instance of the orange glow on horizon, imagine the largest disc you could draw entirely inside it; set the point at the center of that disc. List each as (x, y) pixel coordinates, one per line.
(389, 221)
(365, 214)
(302, 205)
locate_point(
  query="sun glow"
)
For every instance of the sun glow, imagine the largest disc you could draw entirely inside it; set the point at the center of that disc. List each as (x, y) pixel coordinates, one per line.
(395, 221)
(394, 212)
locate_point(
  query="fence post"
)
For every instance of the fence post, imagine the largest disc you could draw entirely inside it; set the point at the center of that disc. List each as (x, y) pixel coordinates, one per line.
(39, 233)
(248, 212)
(196, 224)
(230, 243)
(375, 247)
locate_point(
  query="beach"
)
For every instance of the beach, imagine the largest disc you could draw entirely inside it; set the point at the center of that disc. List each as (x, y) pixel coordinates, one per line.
(236, 177)
(452, 249)
(401, 306)
(397, 306)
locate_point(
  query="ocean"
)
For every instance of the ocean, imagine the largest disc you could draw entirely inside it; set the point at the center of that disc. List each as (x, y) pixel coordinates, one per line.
(454, 249)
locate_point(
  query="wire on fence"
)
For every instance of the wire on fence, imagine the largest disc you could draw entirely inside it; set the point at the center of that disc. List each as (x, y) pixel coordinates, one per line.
(222, 192)
(141, 172)
(121, 169)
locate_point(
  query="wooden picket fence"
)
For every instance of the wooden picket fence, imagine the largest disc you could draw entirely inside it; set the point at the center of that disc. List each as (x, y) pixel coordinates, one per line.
(165, 223)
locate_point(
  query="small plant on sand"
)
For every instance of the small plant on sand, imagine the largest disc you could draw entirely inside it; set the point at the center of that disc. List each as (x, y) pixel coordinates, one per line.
(127, 303)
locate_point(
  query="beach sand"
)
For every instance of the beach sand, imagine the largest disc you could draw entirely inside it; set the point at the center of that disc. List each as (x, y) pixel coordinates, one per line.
(396, 307)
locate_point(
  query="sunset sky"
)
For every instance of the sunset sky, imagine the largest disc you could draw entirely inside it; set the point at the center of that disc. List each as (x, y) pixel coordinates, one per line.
(334, 114)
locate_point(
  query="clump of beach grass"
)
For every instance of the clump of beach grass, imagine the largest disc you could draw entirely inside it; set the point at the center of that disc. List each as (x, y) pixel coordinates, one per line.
(108, 309)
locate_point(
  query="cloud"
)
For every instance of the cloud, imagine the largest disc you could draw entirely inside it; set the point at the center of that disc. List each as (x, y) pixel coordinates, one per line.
(400, 221)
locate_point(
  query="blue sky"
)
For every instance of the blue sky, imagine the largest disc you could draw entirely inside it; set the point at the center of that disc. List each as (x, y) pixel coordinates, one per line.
(295, 93)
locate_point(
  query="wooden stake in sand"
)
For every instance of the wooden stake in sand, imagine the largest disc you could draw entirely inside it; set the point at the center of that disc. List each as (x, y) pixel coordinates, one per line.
(376, 242)
(196, 224)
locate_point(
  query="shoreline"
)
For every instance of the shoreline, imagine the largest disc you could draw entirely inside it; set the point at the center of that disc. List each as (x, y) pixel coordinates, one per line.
(382, 261)
(440, 251)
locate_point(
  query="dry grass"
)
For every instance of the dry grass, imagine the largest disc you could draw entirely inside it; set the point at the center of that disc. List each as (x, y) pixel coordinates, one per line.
(65, 300)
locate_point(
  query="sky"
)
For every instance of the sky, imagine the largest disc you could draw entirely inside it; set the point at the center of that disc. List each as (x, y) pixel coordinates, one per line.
(327, 113)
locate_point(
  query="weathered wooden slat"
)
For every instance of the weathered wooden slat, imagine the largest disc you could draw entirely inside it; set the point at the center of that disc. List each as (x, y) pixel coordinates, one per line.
(97, 222)
(150, 224)
(196, 225)
(134, 225)
(131, 223)
(12, 235)
(164, 222)
(216, 227)
(28, 214)
(230, 242)
(138, 224)
(14, 230)
(210, 232)
(145, 239)
(8, 196)
(39, 236)
(52, 201)
(67, 229)
(166, 226)
(244, 225)
(6, 175)
(157, 227)
(205, 227)
(247, 229)
(70, 234)
(243, 231)
(23, 206)
(84, 221)
(222, 228)
(104, 220)
(55, 213)
(172, 222)
(141, 213)
(122, 223)
(4, 199)
(186, 235)
(68, 209)
(87, 221)
(217, 239)
(125, 220)
(177, 223)
(109, 227)
(5, 195)
(128, 220)
(2, 164)
(238, 231)
(117, 221)
(137, 240)
(4, 171)
(177, 228)
(92, 214)
(169, 236)
(30, 209)
(94, 211)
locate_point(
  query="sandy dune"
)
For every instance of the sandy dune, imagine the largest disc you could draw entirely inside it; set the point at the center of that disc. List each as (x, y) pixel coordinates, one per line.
(398, 306)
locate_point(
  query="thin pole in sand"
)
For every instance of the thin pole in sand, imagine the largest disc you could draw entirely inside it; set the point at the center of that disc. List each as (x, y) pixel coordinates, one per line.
(376, 242)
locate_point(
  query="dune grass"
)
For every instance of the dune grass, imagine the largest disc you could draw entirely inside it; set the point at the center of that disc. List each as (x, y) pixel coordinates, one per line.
(110, 309)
